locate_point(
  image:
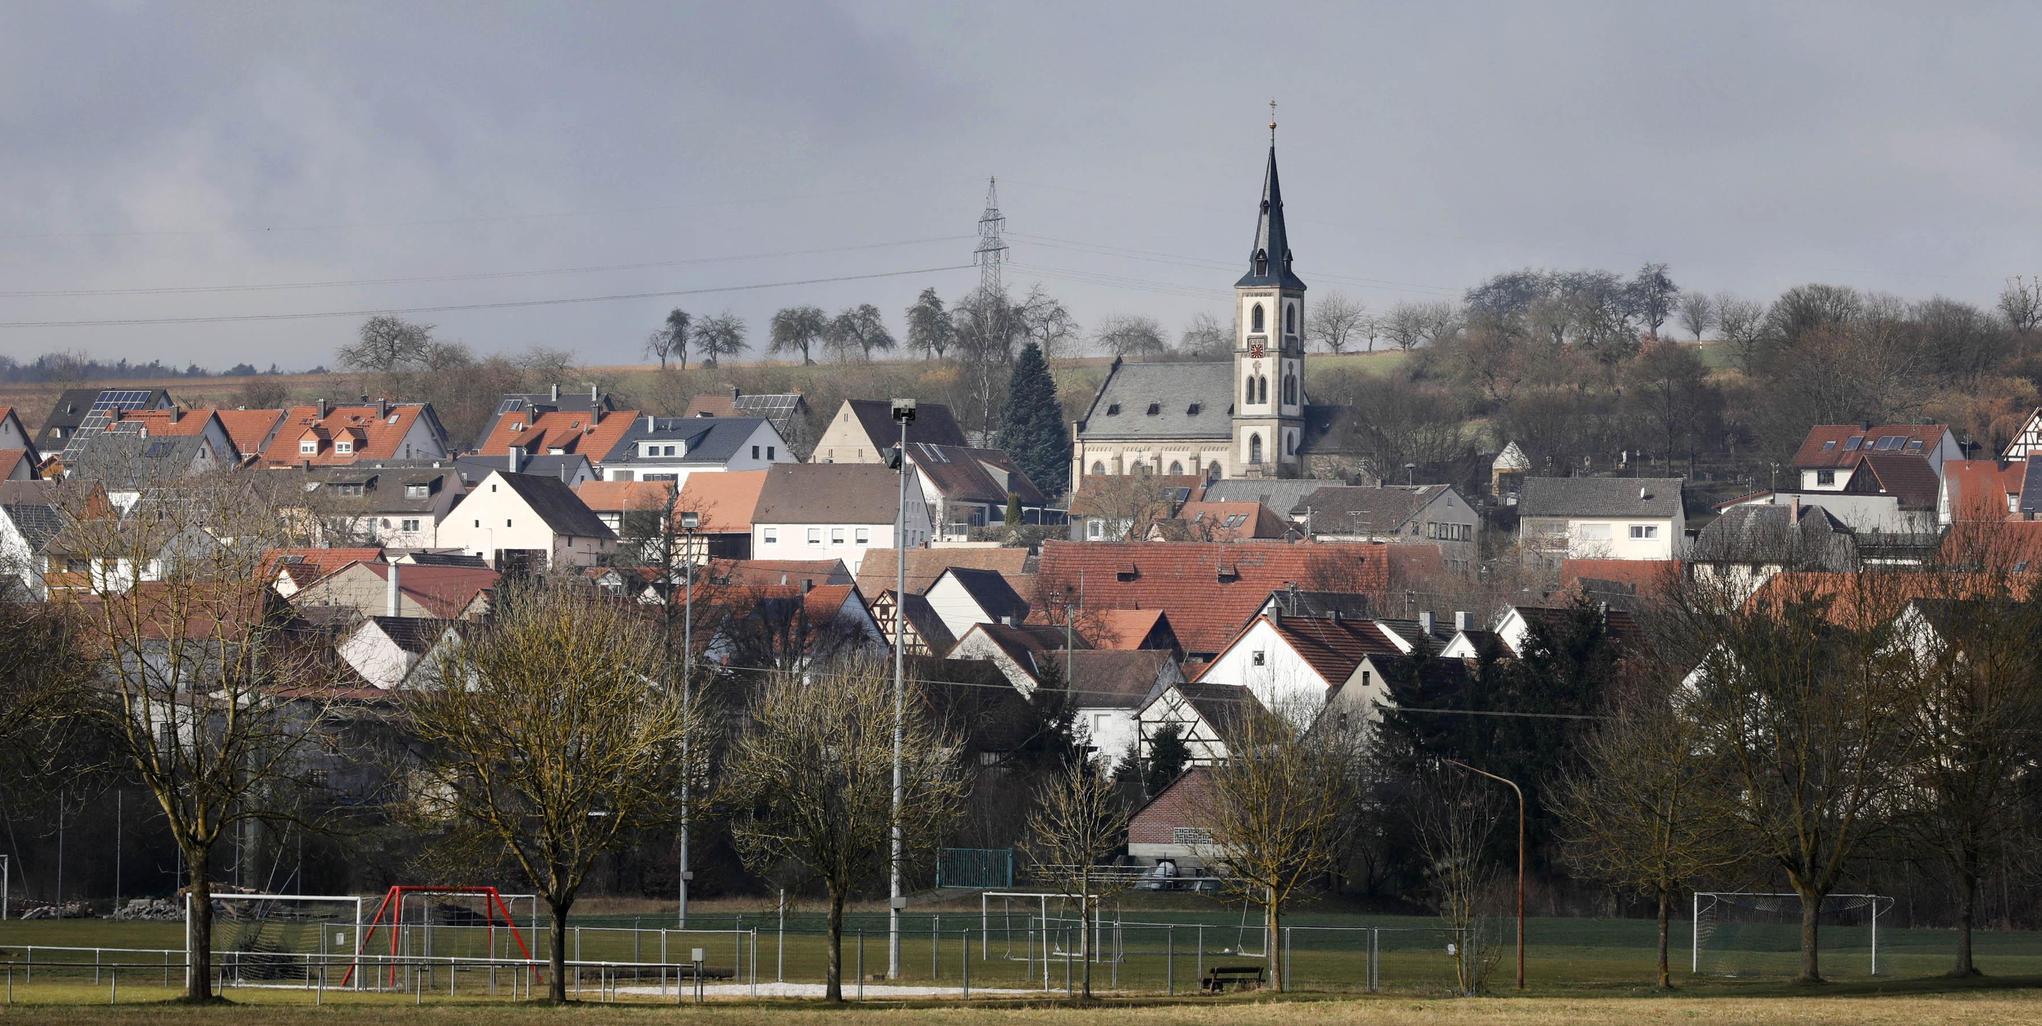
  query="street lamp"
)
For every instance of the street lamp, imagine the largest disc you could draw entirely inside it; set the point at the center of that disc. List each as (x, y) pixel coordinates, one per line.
(1520, 858)
(903, 414)
(690, 520)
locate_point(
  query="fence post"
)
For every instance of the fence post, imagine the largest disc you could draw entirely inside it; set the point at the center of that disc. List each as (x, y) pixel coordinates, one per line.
(113, 995)
(1069, 990)
(1374, 972)
(1170, 960)
(1289, 980)
(754, 970)
(780, 954)
(964, 956)
(861, 965)
(936, 947)
(1198, 965)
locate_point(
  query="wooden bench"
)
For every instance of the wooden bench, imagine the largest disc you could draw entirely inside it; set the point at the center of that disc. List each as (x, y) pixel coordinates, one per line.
(1218, 977)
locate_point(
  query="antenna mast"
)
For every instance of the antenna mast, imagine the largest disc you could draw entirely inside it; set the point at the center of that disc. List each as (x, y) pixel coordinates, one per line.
(991, 249)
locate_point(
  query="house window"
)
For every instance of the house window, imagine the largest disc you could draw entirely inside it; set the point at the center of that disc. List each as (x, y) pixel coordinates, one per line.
(862, 536)
(1189, 836)
(478, 525)
(1095, 528)
(308, 447)
(769, 536)
(344, 447)
(1644, 530)
(409, 525)
(1825, 478)
(769, 452)
(506, 522)
(815, 536)
(836, 536)
(416, 491)
(1259, 658)
(755, 452)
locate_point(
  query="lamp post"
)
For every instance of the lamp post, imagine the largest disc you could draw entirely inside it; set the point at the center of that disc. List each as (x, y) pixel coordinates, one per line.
(1520, 857)
(690, 520)
(904, 414)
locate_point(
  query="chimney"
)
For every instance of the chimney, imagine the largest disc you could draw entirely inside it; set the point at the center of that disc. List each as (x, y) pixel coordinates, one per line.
(592, 395)
(515, 458)
(1425, 623)
(365, 398)
(322, 409)
(392, 606)
(1462, 621)
(563, 471)
(649, 425)
(1794, 509)
(382, 407)
(556, 391)
(736, 393)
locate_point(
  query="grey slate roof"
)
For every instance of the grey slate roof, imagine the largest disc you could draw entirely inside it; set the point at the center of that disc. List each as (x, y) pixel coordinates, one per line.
(558, 467)
(828, 493)
(1654, 497)
(414, 634)
(427, 558)
(705, 439)
(1768, 535)
(123, 460)
(933, 423)
(1280, 494)
(2031, 487)
(38, 523)
(1270, 236)
(990, 590)
(558, 506)
(1115, 678)
(1121, 409)
(384, 490)
(960, 474)
(1384, 508)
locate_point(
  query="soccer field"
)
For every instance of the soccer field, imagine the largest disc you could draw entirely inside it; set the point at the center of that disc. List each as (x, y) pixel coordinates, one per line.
(1153, 952)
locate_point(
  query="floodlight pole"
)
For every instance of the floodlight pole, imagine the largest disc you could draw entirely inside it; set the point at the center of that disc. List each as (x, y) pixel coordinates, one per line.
(1520, 857)
(6, 881)
(689, 521)
(904, 413)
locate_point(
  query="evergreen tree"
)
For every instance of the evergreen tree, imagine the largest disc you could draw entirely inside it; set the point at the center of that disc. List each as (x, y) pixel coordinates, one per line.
(1168, 755)
(1033, 430)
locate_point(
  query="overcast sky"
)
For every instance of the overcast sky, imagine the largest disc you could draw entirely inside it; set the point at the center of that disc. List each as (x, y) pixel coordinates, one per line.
(666, 146)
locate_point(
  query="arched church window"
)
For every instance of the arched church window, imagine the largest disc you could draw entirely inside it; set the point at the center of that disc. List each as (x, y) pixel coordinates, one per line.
(1254, 449)
(1290, 388)
(1255, 320)
(1099, 467)
(1262, 388)
(1176, 467)
(1290, 443)
(1249, 399)
(1261, 263)
(1212, 473)
(1290, 318)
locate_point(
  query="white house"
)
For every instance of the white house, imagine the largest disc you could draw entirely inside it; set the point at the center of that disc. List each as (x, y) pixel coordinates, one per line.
(1018, 650)
(671, 448)
(1294, 664)
(1108, 689)
(813, 511)
(964, 596)
(1562, 518)
(1831, 453)
(391, 652)
(1205, 716)
(521, 520)
(394, 507)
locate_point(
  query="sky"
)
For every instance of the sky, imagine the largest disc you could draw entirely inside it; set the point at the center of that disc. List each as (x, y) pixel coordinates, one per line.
(210, 172)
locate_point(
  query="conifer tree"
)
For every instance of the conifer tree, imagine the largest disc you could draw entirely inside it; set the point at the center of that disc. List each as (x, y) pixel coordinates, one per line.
(1033, 430)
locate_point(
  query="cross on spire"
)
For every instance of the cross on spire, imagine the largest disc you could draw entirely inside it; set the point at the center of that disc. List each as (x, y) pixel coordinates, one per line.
(1272, 122)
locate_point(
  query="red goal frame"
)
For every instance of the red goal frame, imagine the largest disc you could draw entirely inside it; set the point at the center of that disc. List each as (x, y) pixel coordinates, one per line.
(390, 912)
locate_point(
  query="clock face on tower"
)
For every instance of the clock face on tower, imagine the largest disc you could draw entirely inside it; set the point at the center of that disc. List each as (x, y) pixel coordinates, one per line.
(1255, 349)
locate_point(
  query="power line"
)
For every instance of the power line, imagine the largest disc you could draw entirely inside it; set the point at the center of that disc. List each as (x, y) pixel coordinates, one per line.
(1157, 256)
(455, 307)
(470, 276)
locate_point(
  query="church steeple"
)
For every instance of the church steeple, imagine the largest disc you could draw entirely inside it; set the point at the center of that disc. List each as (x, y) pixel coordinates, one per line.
(1269, 260)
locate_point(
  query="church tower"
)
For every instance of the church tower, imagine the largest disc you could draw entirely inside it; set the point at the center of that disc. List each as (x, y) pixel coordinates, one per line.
(1269, 350)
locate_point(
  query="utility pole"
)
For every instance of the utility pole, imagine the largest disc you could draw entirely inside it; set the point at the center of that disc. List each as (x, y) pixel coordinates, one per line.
(991, 248)
(904, 413)
(689, 521)
(1520, 857)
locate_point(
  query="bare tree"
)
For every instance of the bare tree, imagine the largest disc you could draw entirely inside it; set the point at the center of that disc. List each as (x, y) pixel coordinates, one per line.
(208, 691)
(1205, 338)
(1796, 693)
(1697, 312)
(1280, 810)
(859, 327)
(671, 340)
(1455, 815)
(1644, 810)
(1044, 320)
(809, 781)
(796, 329)
(552, 735)
(1651, 295)
(1406, 326)
(719, 336)
(1336, 320)
(2021, 303)
(388, 346)
(929, 328)
(1080, 821)
(1131, 336)
(1742, 322)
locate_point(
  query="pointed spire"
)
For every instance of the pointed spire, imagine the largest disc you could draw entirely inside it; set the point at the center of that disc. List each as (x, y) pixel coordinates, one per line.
(1270, 260)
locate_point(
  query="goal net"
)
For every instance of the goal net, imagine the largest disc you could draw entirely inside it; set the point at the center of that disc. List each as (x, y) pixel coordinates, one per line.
(1745, 933)
(442, 929)
(283, 939)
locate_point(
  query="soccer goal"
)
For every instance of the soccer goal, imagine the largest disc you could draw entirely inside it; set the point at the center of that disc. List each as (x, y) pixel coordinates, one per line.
(1750, 933)
(281, 939)
(1034, 924)
(416, 925)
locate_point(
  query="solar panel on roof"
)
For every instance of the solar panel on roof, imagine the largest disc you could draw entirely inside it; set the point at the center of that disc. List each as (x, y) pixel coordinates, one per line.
(510, 406)
(1890, 442)
(1851, 444)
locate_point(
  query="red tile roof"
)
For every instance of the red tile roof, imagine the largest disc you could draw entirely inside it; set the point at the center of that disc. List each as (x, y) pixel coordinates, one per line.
(319, 562)
(1125, 628)
(378, 433)
(1209, 589)
(9, 459)
(250, 429)
(1645, 577)
(1214, 521)
(623, 496)
(447, 591)
(1979, 488)
(1332, 648)
(590, 434)
(1828, 446)
(725, 501)
(1904, 476)
(767, 572)
(877, 572)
